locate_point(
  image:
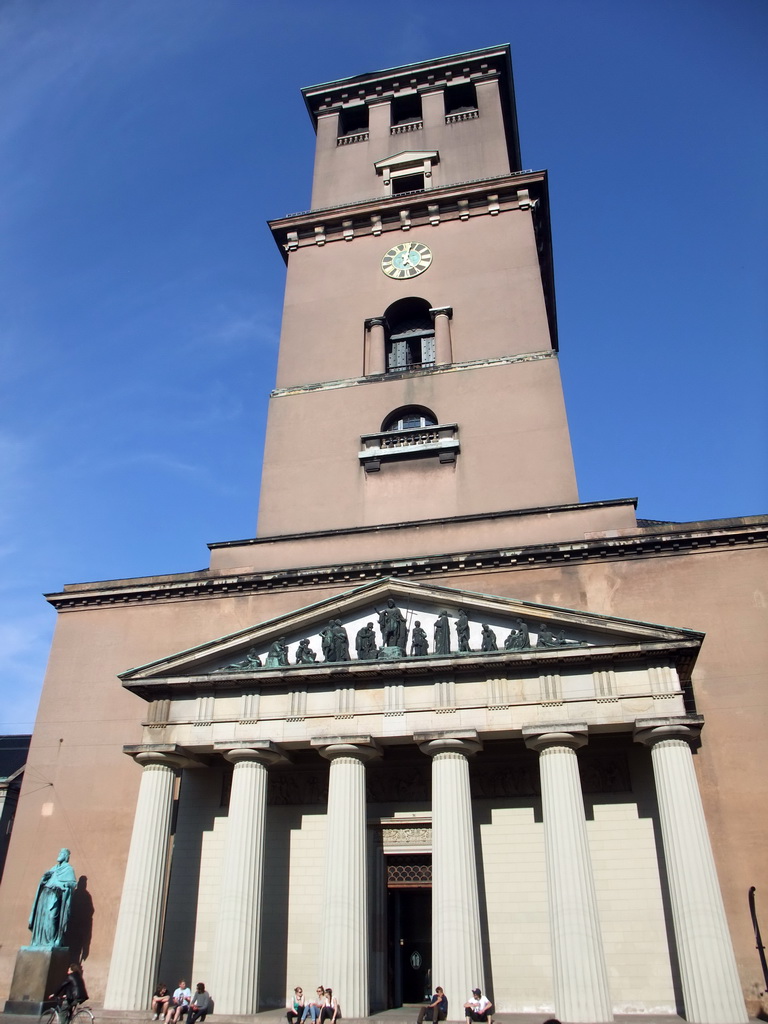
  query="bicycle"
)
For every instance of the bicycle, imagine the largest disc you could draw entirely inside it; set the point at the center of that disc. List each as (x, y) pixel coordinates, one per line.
(58, 1014)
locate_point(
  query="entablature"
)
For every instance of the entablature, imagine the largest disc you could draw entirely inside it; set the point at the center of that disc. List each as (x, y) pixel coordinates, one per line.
(521, 190)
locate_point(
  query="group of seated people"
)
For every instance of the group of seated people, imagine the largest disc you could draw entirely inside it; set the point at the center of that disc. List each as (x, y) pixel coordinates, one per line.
(320, 1007)
(171, 1008)
(477, 1008)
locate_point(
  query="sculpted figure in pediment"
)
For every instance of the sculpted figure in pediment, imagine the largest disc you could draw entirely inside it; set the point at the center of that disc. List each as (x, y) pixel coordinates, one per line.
(489, 639)
(326, 642)
(339, 642)
(462, 630)
(442, 634)
(419, 641)
(277, 656)
(365, 643)
(548, 638)
(518, 637)
(394, 631)
(304, 653)
(248, 663)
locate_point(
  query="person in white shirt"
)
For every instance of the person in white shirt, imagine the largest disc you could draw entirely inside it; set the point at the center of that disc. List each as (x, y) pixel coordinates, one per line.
(479, 1007)
(179, 1003)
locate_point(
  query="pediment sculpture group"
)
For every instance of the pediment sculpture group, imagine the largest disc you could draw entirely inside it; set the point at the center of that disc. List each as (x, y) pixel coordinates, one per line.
(393, 627)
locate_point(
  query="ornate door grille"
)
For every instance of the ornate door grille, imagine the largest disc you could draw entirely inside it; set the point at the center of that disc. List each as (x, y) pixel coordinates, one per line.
(407, 870)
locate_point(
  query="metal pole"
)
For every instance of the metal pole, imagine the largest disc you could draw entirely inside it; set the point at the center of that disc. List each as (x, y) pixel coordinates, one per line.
(758, 939)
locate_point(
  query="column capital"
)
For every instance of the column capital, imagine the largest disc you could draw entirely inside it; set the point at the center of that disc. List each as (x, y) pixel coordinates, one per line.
(375, 321)
(364, 748)
(169, 755)
(454, 741)
(680, 727)
(442, 311)
(566, 734)
(262, 751)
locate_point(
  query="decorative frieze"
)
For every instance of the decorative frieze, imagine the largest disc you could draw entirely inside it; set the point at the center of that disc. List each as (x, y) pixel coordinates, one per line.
(399, 836)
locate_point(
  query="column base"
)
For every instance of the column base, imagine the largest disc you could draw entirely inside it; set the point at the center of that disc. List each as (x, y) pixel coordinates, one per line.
(37, 972)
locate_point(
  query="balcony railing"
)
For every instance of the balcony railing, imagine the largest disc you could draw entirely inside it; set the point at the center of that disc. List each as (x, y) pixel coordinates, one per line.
(347, 140)
(409, 126)
(441, 440)
(461, 115)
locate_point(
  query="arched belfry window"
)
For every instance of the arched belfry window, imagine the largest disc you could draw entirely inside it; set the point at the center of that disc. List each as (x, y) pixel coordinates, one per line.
(409, 417)
(411, 335)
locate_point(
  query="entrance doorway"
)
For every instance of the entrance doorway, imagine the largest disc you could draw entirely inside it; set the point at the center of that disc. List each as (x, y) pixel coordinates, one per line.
(409, 929)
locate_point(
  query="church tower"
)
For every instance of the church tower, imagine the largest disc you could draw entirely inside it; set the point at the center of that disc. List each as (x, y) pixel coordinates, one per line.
(438, 722)
(418, 376)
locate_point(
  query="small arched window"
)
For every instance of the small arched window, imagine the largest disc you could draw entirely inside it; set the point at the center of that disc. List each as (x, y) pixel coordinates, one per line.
(411, 337)
(408, 417)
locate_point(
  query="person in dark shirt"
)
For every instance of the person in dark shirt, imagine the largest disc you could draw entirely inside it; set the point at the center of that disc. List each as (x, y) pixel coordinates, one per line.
(436, 1009)
(200, 1004)
(71, 991)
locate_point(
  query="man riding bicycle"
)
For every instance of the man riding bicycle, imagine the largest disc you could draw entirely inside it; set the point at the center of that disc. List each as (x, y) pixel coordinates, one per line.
(70, 992)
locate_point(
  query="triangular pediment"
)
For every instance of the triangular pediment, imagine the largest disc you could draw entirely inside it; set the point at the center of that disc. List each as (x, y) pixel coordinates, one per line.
(406, 157)
(394, 624)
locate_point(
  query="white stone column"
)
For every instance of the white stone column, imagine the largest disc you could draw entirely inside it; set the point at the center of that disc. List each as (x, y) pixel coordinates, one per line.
(235, 975)
(457, 947)
(442, 321)
(132, 970)
(344, 930)
(376, 356)
(580, 976)
(712, 992)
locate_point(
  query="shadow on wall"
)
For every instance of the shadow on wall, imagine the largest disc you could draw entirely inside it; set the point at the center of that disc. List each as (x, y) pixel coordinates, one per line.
(80, 926)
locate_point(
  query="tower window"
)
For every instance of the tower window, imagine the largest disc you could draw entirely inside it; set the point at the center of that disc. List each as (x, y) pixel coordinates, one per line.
(411, 417)
(411, 338)
(353, 120)
(407, 183)
(406, 109)
(460, 99)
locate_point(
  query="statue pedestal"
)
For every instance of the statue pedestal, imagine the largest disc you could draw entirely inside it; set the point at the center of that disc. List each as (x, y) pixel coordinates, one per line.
(391, 653)
(38, 972)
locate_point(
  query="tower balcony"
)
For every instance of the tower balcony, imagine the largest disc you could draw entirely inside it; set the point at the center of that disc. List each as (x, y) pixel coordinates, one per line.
(441, 440)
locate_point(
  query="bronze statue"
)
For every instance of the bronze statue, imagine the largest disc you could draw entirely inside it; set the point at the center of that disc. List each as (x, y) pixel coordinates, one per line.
(304, 653)
(394, 631)
(419, 642)
(339, 642)
(518, 637)
(546, 638)
(326, 640)
(249, 662)
(489, 639)
(277, 656)
(462, 630)
(50, 911)
(365, 643)
(442, 634)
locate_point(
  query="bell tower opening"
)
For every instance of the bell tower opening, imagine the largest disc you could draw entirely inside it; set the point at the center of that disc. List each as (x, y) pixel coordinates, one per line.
(411, 336)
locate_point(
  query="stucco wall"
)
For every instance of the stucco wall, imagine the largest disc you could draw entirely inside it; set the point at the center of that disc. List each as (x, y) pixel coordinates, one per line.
(80, 790)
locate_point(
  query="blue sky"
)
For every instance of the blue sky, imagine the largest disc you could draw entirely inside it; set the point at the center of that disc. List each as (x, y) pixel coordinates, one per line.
(143, 146)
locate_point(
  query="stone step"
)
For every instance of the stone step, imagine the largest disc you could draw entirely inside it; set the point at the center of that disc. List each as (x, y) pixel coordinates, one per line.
(400, 1015)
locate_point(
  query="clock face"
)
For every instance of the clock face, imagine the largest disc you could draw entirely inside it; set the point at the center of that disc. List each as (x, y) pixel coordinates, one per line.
(407, 259)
